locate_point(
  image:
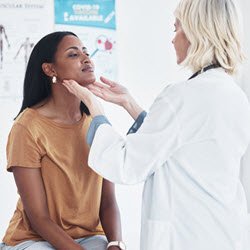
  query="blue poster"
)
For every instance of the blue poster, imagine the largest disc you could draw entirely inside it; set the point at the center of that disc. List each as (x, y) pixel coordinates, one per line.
(91, 13)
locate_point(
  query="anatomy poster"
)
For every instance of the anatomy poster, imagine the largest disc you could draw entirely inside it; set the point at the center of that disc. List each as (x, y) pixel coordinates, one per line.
(22, 24)
(93, 21)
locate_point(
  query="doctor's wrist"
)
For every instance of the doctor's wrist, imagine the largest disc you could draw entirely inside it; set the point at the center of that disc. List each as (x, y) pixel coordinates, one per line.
(132, 107)
(95, 108)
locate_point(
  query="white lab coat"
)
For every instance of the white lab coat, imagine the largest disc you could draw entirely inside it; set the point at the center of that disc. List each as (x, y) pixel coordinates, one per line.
(188, 152)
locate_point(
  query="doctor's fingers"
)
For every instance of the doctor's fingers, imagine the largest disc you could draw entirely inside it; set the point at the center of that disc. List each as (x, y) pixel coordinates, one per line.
(95, 90)
(108, 82)
(77, 90)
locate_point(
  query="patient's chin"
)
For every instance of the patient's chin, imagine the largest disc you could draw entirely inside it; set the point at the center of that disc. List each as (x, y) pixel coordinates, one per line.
(87, 82)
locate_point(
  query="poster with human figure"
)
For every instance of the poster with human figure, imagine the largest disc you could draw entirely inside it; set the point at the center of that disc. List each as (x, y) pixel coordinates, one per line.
(22, 24)
(27, 47)
(94, 22)
(3, 38)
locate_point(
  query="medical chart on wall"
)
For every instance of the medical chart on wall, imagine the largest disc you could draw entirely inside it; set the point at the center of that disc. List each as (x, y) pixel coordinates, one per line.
(22, 24)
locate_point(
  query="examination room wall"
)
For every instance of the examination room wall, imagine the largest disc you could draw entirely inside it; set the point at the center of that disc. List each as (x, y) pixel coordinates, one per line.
(146, 63)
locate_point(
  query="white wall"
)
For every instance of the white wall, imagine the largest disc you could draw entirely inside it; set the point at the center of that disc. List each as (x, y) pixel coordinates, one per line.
(245, 84)
(146, 65)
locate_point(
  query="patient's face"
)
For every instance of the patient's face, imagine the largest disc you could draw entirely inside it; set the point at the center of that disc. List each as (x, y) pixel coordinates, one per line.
(72, 61)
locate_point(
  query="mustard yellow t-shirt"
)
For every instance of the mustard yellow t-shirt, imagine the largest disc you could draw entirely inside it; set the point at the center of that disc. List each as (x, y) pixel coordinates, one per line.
(73, 190)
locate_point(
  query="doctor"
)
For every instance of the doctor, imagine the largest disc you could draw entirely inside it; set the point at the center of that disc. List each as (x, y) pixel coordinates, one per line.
(189, 146)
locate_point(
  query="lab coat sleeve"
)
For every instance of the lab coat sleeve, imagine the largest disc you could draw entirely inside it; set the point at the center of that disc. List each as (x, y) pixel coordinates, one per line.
(138, 122)
(95, 123)
(133, 159)
(101, 119)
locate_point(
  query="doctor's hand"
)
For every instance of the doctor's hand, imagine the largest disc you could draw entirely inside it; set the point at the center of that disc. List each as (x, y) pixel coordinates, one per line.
(82, 93)
(110, 91)
(115, 93)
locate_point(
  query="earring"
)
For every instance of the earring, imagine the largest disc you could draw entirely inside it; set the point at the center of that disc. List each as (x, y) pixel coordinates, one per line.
(54, 79)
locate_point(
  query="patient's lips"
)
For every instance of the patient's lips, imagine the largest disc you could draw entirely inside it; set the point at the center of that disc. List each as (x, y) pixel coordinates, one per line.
(88, 68)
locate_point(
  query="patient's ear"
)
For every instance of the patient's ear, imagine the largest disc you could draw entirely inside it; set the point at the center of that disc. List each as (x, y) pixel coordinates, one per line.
(48, 69)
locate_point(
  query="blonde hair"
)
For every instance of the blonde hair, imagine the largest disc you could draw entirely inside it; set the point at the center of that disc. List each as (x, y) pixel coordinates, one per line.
(212, 28)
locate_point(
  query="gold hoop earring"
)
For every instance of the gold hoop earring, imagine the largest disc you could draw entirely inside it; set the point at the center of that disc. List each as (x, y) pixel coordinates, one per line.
(54, 79)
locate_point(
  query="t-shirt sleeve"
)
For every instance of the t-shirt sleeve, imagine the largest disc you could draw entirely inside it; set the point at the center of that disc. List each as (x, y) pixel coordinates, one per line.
(22, 149)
